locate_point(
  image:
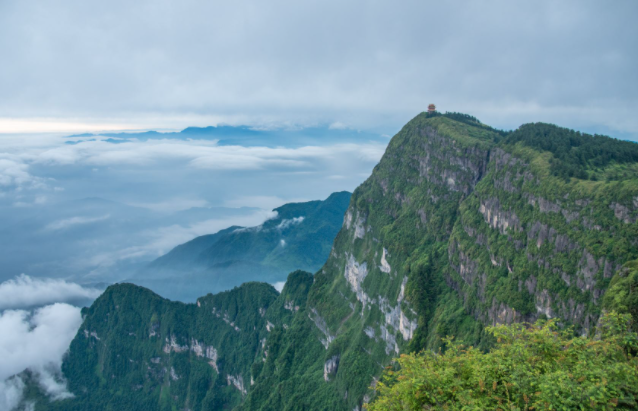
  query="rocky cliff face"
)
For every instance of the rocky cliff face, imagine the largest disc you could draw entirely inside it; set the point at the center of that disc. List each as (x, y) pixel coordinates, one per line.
(529, 245)
(136, 350)
(458, 227)
(361, 310)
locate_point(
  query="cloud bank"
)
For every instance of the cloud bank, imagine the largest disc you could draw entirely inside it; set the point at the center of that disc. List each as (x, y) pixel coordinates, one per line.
(37, 169)
(73, 221)
(201, 154)
(35, 341)
(364, 62)
(163, 239)
(24, 292)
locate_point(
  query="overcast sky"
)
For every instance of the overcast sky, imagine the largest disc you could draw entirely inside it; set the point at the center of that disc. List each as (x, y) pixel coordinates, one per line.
(83, 64)
(86, 65)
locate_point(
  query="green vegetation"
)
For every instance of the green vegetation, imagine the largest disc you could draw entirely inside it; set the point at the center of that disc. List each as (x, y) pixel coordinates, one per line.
(138, 351)
(539, 367)
(458, 227)
(622, 295)
(575, 154)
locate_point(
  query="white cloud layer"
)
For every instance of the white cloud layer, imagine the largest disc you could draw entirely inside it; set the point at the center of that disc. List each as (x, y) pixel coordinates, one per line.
(167, 175)
(24, 292)
(35, 341)
(73, 221)
(200, 154)
(163, 239)
(571, 62)
(287, 223)
(10, 393)
(14, 173)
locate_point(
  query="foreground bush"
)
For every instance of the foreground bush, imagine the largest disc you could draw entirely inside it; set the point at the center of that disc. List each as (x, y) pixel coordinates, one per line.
(536, 367)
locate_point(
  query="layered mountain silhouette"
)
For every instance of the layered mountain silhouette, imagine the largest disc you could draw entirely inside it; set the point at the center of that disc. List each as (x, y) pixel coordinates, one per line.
(299, 236)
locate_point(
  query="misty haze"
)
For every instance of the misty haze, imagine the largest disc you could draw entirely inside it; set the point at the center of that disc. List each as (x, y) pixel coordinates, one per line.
(318, 205)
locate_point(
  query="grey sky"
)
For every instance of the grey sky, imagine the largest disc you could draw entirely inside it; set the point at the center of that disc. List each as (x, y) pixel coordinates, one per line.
(169, 63)
(80, 65)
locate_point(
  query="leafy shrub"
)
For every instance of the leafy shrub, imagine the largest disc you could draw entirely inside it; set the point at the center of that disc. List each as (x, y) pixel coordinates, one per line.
(535, 367)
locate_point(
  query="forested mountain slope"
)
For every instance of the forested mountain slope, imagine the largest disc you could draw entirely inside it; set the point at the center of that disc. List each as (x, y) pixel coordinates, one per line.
(459, 226)
(299, 236)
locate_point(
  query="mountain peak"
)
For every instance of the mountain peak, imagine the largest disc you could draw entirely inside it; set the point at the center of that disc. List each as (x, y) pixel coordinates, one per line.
(460, 226)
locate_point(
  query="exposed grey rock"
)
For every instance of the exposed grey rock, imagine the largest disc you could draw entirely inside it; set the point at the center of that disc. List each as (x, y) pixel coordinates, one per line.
(385, 267)
(571, 311)
(359, 226)
(570, 215)
(322, 326)
(290, 305)
(93, 334)
(355, 273)
(503, 160)
(563, 244)
(206, 351)
(530, 284)
(174, 375)
(269, 326)
(390, 340)
(544, 304)
(384, 185)
(347, 219)
(544, 205)
(541, 233)
(463, 167)
(497, 218)
(609, 268)
(468, 268)
(330, 367)
(236, 381)
(172, 345)
(395, 316)
(496, 262)
(587, 269)
(369, 331)
(501, 313)
(469, 230)
(622, 213)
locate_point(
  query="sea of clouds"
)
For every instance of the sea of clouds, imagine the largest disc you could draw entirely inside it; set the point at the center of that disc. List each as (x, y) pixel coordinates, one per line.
(37, 324)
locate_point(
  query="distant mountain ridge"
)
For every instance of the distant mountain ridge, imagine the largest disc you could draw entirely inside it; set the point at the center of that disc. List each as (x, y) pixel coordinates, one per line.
(67, 233)
(298, 237)
(242, 135)
(459, 226)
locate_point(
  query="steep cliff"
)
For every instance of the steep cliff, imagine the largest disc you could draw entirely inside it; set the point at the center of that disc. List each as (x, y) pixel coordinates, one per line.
(382, 287)
(532, 243)
(458, 226)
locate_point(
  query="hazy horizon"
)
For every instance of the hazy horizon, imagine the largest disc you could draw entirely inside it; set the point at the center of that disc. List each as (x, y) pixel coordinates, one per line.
(309, 94)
